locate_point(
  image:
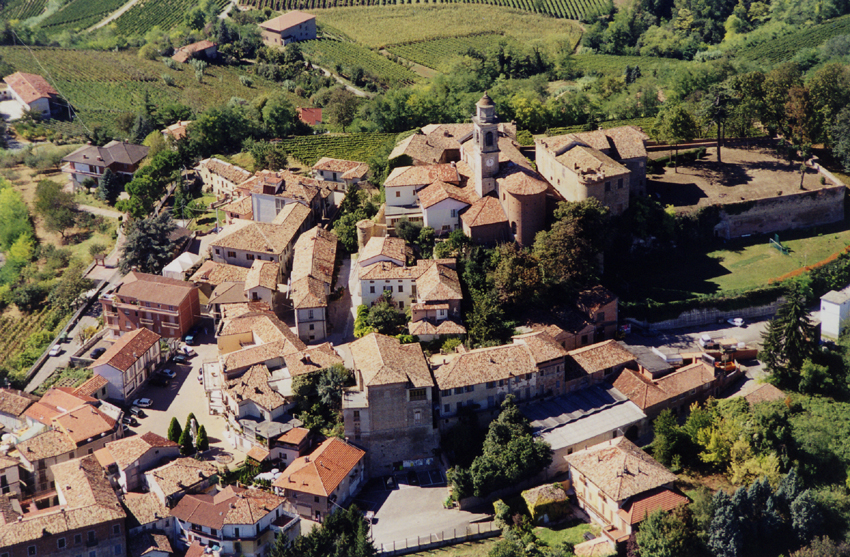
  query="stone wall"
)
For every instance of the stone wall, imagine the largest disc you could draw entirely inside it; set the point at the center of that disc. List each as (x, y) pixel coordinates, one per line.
(784, 212)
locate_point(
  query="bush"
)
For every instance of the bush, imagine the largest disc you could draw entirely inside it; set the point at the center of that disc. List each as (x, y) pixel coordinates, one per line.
(168, 80)
(450, 345)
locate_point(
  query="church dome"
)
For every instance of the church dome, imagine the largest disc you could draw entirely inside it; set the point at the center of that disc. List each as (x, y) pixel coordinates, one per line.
(485, 100)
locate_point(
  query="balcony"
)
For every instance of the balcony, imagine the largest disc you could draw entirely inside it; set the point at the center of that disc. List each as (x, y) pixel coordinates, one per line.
(148, 322)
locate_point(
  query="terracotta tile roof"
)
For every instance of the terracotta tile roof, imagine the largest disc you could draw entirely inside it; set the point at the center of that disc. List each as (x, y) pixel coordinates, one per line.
(128, 349)
(8, 462)
(45, 445)
(639, 507)
(485, 211)
(620, 469)
(111, 153)
(310, 116)
(285, 21)
(312, 359)
(543, 347)
(765, 393)
(321, 472)
(177, 130)
(181, 474)
(85, 422)
(387, 270)
(418, 148)
(294, 436)
(9, 510)
(240, 207)
(594, 298)
(339, 165)
(309, 292)
(520, 181)
(422, 175)
(143, 508)
(315, 255)
(257, 453)
(484, 365)
(230, 172)
(149, 542)
(591, 164)
(215, 273)
(84, 484)
(267, 238)
(195, 550)
(92, 385)
(253, 386)
(440, 191)
(283, 184)
(232, 311)
(30, 87)
(266, 328)
(646, 393)
(445, 327)
(232, 505)
(263, 274)
(600, 356)
(254, 355)
(438, 283)
(625, 142)
(383, 360)
(184, 53)
(14, 402)
(229, 293)
(130, 449)
(56, 401)
(154, 288)
(386, 246)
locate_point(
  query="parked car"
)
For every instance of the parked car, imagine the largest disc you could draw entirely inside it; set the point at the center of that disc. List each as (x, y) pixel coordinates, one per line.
(129, 420)
(188, 351)
(55, 350)
(125, 428)
(707, 342)
(200, 378)
(97, 352)
(159, 381)
(180, 359)
(136, 411)
(736, 322)
(189, 339)
(170, 373)
(143, 402)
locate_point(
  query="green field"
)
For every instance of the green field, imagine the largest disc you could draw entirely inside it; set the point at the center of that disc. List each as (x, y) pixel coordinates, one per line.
(308, 149)
(784, 48)
(80, 14)
(164, 14)
(22, 9)
(380, 26)
(478, 548)
(645, 123)
(572, 533)
(604, 64)
(437, 52)
(333, 54)
(101, 85)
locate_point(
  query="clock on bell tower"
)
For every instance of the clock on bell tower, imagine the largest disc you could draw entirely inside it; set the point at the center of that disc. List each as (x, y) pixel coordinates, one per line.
(485, 145)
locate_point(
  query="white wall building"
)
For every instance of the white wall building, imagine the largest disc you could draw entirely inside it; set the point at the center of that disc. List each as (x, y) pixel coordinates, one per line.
(834, 311)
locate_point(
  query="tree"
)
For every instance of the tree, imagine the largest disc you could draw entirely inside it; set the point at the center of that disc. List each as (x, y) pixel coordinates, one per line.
(343, 533)
(806, 517)
(517, 274)
(725, 538)
(674, 125)
(148, 246)
(384, 318)
(181, 202)
(14, 216)
(824, 547)
(69, 287)
(664, 534)
(144, 192)
(108, 187)
(174, 430)
(667, 442)
(185, 442)
(56, 207)
(841, 138)
(717, 108)
(203, 442)
(341, 107)
(829, 93)
(802, 123)
(268, 156)
(279, 116)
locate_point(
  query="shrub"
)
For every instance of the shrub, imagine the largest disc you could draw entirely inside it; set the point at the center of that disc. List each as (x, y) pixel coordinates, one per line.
(168, 80)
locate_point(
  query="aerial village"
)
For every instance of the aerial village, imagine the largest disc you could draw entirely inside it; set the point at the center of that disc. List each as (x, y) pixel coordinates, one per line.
(244, 395)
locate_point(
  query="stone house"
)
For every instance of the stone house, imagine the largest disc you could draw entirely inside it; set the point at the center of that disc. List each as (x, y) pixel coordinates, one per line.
(270, 192)
(325, 480)
(340, 173)
(289, 27)
(442, 204)
(85, 517)
(259, 287)
(13, 405)
(126, 460)
(251, 397)
(145, 513)
(237, 520)
(91, 161)
(32, 91)
(172, 481)
(238, 209)
(618, 485)
(311, 280)
(402, 187)
(221, 177)
(404, 284)
(168, 307)
(128, 363)
(254, 338)
(485, 222)
(390, 410)
(592, 364)
(150, 544)
(203, 50)
(384, 249)
(10, 477)
(210, 274)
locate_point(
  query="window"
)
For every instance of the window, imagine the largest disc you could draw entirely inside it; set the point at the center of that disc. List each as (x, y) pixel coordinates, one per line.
(620, 184)
(117, 549)
(388, 288)
(116, 528)
(357, 414)
(316, 499)
(401, 305)
(312, 327)
(371, 290)
(310, 314)
(491, 384)
(397, 193)
(249, 256)
(417, 394)
(91, 535)
(401, 288)
(583, 339)
(600, 317)
(608, 186)
(488, 139)
(236, 532)
(459, 406)
(446, 392)
(447, 409)
(469, 388)
(60, 543)
(217, 252)
(231, 254)
(454, 213)
(31, 550)
(513, 228)
(458, 390)
(417, 417)
(78, 539)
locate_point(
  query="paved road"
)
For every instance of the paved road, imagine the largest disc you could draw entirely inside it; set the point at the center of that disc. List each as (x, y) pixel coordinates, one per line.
(113, 16)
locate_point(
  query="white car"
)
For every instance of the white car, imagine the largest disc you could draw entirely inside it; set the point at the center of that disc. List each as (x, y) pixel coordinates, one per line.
(143, 402)
(170, 373)
(55, 350)
(707, 342)
(736, 322)
(188, 351)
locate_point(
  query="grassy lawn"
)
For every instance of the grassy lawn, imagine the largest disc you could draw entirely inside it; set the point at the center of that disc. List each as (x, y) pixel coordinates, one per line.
(478, 548)
(207, 221)
(84, 198)
(570, 532)
(107, 239)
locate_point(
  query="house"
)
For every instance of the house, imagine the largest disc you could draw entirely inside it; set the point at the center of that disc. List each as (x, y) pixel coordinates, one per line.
(389, 412)
(177, 478)
(237, 520)
(486, 222)
(168, 307)
(255, 338)
(600, 306)
(177, 131)
(91, 161)
(319, 484)
(575, 421)
(834, 311)
(271, 191)
(765, 393)
(439, 144)
(211, 274)
(203, 50)
(675, 391)
(56, 401)
(384, 248)
(86, 517)
(150, 544)
(128, 363)
(531, 367)
(221, 177)
(127, 459)
(95, 387)
(441, 205)
(609, 165)
(145, 512)
(310, 116)
(405, 182)
(289, 27)
(264, 241)
(33, 92)
(311, 280)
(13, 404)
(592, 364)
(238, 209)
(259, 287)
(10, 477)
(180, 265)
(618, 485)
(430, 281)
(341, 173)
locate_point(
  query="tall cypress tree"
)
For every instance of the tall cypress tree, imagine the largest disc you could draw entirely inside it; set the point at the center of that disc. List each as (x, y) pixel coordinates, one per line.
(203, 442)
(186, 446)
(174, 430)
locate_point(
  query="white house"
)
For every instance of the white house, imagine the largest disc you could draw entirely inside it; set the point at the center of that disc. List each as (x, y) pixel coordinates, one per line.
(129, 362)
(341, 173)
(312, 277)
(441, 205)
(13, 404)
(10, 477)
(221, 177)
(32, 91)
(834, 311)
(383, 248)
(126, 460)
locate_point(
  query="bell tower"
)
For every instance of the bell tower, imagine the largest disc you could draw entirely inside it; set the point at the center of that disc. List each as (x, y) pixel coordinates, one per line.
(485, 152)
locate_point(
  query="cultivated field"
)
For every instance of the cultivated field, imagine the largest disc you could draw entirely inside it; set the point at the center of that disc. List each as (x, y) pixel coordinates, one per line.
(380, 26)
(434, 54)
(22, 9)
(308, 149)
(605, 64)
(331, 54)
(784, 48)
(164, 14)
(80, 14)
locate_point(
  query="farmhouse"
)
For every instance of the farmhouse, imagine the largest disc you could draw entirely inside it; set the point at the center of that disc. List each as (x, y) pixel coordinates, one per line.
(289, 27)
(33, 92)
(203, 50)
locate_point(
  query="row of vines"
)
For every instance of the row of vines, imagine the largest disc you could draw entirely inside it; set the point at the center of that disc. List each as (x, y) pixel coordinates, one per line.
(435, 53)
(22, 9)
(784, 48)
(358, 147)
(165, 14)
(344, 57)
